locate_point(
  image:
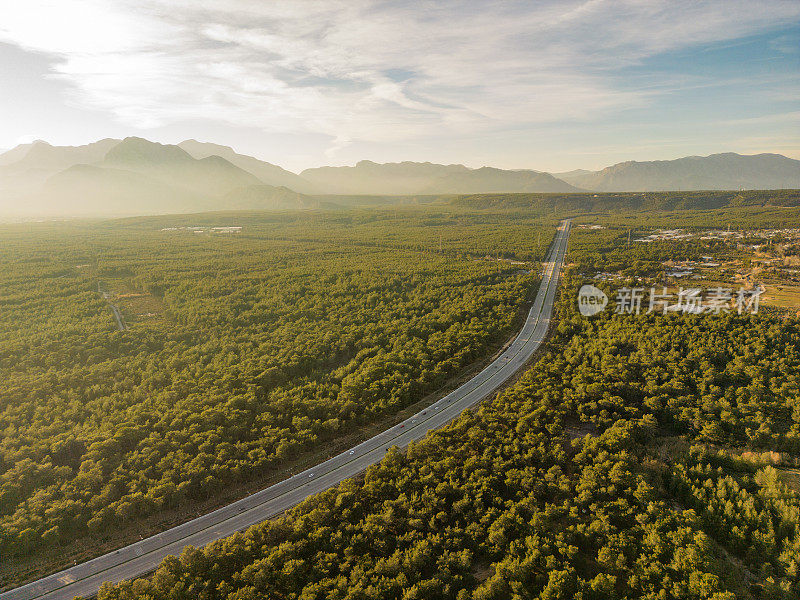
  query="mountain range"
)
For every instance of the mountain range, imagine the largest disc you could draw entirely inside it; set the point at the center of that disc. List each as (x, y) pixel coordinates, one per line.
(136, 176)
(728, 171)
(427, 178)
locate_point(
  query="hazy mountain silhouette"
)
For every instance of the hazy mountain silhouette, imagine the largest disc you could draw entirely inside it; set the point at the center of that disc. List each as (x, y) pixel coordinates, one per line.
(487, 180)
(137, 176)
(728, 171)
(267, 197)
(210, 176)
(128, 177)
(16, 153)
(268, 173)
(572, 177)
(368, 177)
(29, 165)
(44, 156)
(41, 155)
(103, 191)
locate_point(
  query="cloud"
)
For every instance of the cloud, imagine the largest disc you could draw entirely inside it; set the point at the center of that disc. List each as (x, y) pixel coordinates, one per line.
(788, 118)
(785, 44)
(327, 67)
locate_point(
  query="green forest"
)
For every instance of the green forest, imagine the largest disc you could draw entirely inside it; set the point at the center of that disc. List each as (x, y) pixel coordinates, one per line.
(243, 350)
(641, 456)
(642, 203)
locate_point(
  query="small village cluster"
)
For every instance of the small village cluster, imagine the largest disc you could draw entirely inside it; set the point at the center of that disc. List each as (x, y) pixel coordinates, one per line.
(224, 229)
(661, 235)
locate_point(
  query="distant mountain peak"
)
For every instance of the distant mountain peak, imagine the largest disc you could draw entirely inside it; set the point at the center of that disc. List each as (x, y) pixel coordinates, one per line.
(722, 171)
(266, 172)
(215, 159)
(43, 158)
(130, 174)
(189, 144)
(136, 149)
(408, 177)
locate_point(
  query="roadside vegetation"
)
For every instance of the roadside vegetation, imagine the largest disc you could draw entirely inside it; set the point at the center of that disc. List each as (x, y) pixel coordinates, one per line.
(252, 340)
(642, 456)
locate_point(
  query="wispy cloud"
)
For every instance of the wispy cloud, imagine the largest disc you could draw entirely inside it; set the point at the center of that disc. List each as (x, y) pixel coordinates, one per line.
(330, 66)
(792, 118)
(786, 44)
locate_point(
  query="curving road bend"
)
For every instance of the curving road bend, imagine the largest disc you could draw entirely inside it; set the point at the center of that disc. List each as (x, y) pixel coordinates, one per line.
(144, 556)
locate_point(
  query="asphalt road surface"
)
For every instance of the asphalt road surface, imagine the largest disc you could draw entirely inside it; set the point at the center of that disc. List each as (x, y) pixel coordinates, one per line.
(144, 556)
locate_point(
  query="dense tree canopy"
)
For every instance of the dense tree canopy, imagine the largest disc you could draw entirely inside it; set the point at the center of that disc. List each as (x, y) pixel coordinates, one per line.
(257, 347)
(642, 456)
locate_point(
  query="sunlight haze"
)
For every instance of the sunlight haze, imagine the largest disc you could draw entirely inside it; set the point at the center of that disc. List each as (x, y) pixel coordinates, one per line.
(551, 86)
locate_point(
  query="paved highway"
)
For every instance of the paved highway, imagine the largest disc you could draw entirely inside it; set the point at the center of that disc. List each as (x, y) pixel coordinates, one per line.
(144, 556)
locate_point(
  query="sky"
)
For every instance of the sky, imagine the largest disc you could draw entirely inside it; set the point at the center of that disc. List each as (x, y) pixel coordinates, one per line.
(547, 85)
